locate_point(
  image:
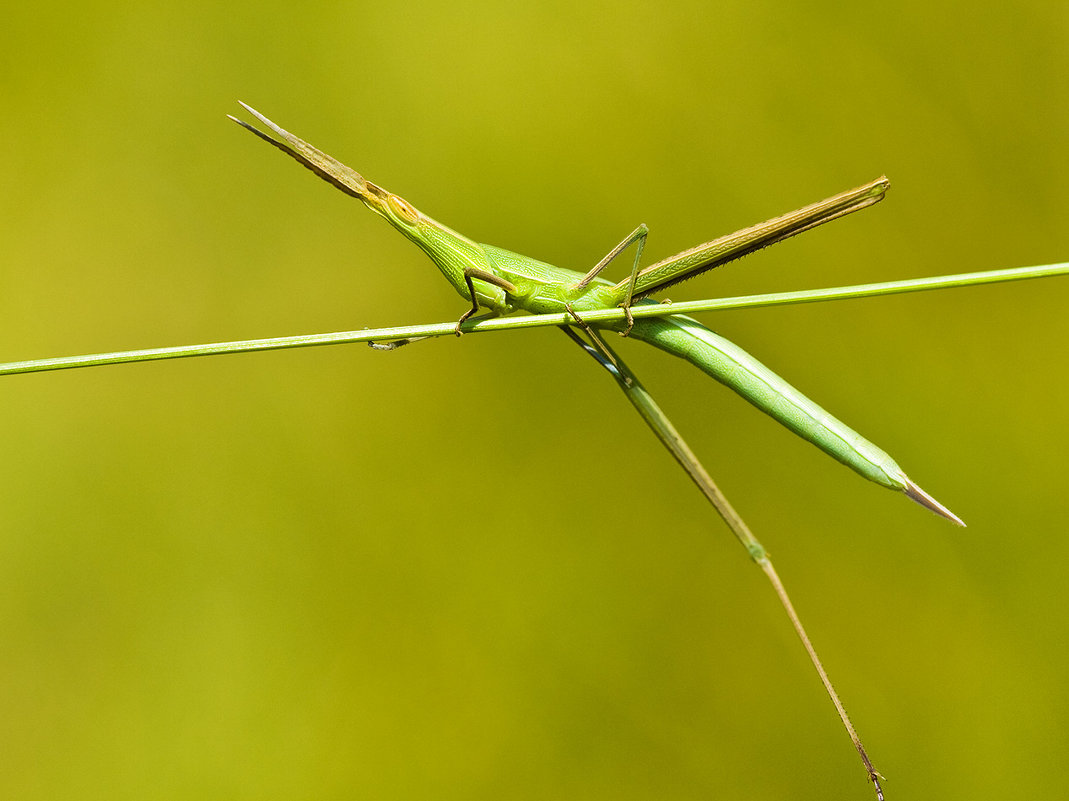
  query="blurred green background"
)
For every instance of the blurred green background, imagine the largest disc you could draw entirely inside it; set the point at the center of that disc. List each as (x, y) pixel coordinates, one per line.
(465, 570)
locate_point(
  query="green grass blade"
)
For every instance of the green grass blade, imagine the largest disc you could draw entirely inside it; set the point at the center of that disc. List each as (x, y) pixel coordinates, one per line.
(535, 321)
(876, 290)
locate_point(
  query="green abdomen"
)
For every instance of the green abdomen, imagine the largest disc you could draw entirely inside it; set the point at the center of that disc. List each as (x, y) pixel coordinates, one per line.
(735, 368)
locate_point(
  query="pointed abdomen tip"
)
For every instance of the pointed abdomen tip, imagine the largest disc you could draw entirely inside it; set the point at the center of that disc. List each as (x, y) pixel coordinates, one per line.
(915, 493)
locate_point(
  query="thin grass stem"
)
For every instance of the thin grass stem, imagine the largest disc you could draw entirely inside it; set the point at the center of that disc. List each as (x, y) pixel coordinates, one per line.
(602, 316)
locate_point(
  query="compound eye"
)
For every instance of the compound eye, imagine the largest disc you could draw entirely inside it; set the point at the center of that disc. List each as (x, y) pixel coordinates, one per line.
(402, 209)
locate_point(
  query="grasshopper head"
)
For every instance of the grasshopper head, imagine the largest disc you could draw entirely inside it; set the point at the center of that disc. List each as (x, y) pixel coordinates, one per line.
(326, 167)
(451, 251)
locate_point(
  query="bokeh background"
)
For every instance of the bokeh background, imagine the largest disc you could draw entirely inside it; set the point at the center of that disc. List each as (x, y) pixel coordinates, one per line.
(465, 570)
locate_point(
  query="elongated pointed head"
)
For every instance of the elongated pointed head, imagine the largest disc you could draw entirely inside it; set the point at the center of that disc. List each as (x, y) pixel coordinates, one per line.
(451, 251)
(348, 180)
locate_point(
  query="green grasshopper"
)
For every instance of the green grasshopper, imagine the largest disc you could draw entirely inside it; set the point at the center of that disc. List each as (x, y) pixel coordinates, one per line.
(502, 282)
